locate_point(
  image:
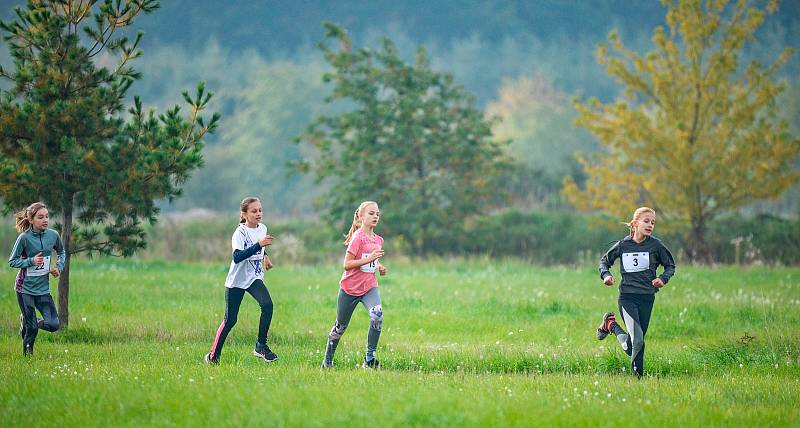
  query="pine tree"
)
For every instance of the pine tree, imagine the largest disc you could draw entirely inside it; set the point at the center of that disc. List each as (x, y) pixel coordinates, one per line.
(66, 139)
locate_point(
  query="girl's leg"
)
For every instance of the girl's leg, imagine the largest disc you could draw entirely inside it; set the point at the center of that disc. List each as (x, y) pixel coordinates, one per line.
(30, 325)
(372, 301)
(47, 307)
(645, 308)
(233, 299)
(629, 308)
(344, 311)
(259, 291)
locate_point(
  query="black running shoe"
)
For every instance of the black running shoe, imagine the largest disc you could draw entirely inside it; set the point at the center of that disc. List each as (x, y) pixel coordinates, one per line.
(371, 364)
(210, 361)
(602, 330)
(265, 353)
(327, 364)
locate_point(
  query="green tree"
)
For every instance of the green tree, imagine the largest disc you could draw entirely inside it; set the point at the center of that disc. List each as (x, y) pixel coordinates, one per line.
(412, 141)
(697, 133)
(66, 140)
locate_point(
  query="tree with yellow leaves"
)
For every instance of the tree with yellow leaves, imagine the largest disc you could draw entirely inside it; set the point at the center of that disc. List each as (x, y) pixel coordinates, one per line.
(696, 132)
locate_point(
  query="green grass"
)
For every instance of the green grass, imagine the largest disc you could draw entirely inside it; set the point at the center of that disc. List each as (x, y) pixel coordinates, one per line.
(465, 342)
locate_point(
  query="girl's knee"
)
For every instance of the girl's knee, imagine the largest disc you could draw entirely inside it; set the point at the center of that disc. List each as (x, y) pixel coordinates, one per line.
(337, 331)
(376, 317)
(51, 325)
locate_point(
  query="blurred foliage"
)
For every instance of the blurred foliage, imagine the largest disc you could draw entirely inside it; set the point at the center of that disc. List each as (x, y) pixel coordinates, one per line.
(412, 141)
(698, 132)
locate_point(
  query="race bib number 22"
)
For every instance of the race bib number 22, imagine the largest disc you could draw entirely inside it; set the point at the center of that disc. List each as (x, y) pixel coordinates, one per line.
(42, 269)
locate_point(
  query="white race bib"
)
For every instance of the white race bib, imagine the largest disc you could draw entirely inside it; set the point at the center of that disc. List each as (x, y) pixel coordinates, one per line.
(636, 262)
(369, 267)
(43, 269)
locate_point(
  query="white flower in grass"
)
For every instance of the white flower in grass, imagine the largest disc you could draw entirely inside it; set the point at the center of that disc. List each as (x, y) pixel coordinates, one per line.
(83, 319)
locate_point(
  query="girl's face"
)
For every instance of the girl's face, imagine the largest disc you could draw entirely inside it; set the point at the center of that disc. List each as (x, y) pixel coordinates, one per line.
(253, 214)
(370, 215)
(41, 219)
(645, 225)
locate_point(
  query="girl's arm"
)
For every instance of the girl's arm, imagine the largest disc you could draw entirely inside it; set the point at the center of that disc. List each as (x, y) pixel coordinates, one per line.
(242, 255)
(668, 262)
(16, 260)
(608, 260)
(267, 262)
(62, 254)
(351, 262)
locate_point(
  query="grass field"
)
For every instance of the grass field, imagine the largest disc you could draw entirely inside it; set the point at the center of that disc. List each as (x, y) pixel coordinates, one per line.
(464, 343)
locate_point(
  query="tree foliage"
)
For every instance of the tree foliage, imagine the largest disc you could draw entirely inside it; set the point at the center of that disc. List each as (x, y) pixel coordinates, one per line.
(697, 133)
(66, 138)
(412, 141)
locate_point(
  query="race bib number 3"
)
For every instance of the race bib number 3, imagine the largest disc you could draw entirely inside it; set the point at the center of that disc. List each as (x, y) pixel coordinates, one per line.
(42, 269)
(636, 262)
(369, 267)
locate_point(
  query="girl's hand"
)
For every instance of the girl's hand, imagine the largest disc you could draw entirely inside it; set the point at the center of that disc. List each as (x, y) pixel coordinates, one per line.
(658, 283)
(266, 240)
(375, 255)
(609, 280)
(267, 263)
(38, 259)
(382, 270)
(54, 272)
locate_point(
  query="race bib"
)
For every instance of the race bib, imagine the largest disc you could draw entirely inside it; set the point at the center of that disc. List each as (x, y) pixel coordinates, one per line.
(636, 262)
(43, 269)
(369, 267)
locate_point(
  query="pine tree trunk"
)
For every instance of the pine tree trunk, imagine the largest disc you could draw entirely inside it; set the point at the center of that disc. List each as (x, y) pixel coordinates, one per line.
(63, 279)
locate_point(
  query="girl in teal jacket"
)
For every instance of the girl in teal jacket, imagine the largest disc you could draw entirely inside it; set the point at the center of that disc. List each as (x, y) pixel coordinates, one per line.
(38, 253)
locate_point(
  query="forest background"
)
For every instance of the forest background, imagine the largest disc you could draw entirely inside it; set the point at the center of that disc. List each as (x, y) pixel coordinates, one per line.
(525, 63)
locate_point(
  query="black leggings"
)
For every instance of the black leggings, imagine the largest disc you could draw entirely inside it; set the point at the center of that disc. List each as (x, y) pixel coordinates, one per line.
(635, 310)
(233, 299)
(28, 304)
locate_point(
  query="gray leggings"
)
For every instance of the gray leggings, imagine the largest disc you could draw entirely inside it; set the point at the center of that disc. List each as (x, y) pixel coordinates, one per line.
(347, 304)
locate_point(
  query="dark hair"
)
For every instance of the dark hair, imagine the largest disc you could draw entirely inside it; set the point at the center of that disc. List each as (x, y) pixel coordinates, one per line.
(25, 217)
(246, 203)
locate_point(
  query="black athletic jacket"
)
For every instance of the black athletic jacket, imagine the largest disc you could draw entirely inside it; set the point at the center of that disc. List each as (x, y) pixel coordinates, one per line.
(638, 265)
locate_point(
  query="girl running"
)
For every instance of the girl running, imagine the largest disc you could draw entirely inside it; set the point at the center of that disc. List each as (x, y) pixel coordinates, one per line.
(246, 275)
(33, 256)
(641, 254)
(359, 284)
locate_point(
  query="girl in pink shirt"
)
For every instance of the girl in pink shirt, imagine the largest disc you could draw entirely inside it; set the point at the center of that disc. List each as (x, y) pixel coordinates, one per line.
(359, 283)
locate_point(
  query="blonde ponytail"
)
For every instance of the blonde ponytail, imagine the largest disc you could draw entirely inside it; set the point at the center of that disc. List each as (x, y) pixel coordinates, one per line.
(357, 220)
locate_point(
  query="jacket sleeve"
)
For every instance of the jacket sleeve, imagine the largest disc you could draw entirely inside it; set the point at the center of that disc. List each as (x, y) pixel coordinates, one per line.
(62, 254)
(241, 255)
(665, 257)
(608, 260)
(18, 258)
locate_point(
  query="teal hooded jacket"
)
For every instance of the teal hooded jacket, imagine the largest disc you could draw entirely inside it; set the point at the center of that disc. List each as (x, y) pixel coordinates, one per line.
(35, 280)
